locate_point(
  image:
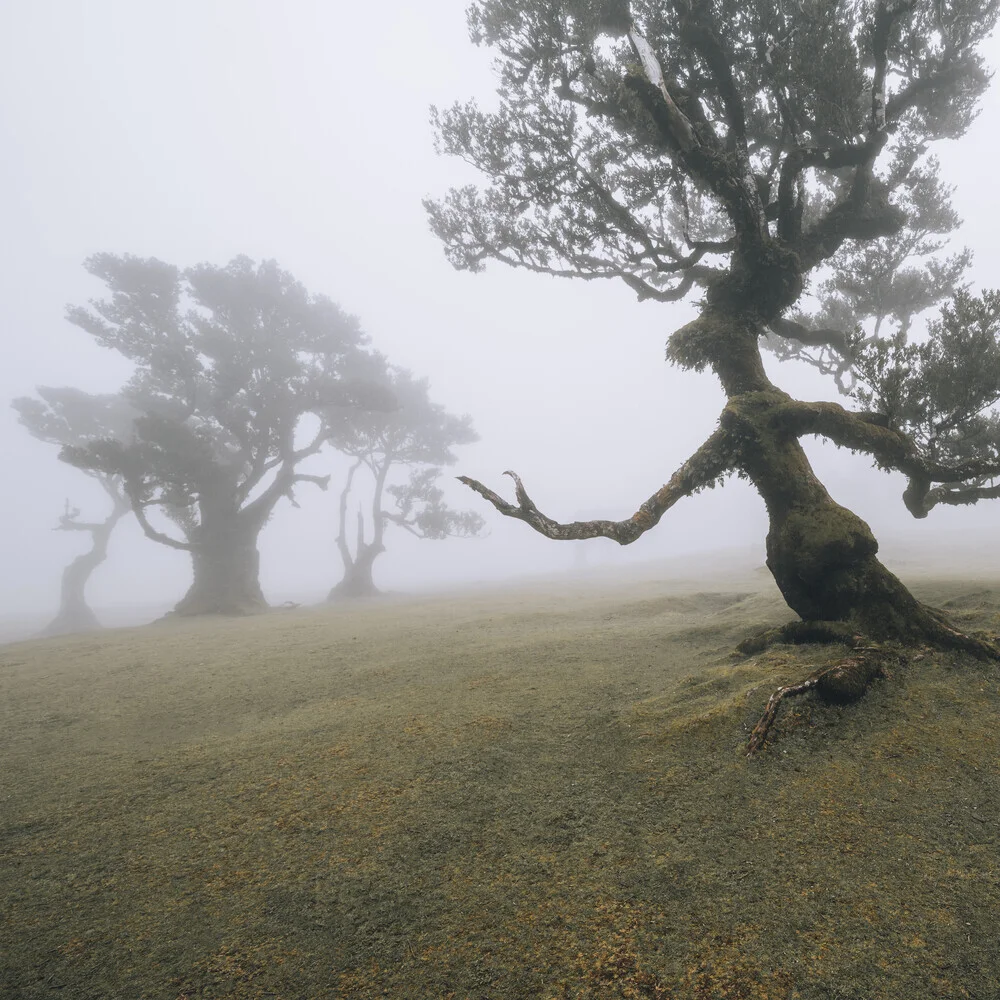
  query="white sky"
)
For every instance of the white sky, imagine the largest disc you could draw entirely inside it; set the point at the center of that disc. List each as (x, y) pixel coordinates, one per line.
(201, 129)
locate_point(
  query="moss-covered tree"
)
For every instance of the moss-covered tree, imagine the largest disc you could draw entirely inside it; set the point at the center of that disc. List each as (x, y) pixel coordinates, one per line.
(734, 150)
(417, 434)
(230, 365)
(67, 416)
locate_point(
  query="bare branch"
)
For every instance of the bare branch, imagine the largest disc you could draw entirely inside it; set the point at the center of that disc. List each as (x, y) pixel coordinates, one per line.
(703, 469)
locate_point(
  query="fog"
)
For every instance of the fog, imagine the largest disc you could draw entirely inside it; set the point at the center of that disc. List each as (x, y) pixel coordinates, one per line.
(299, 131)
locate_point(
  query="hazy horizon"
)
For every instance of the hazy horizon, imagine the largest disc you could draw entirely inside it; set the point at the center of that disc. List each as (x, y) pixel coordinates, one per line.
(202, 131)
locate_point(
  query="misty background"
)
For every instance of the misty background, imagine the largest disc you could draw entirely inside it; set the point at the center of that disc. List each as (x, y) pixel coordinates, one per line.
(204, 129)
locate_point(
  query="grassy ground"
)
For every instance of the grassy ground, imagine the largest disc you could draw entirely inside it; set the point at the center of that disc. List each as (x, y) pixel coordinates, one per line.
(510, 795)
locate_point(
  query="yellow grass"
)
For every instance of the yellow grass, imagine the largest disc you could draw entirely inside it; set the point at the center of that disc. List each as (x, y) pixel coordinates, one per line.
(501, 795)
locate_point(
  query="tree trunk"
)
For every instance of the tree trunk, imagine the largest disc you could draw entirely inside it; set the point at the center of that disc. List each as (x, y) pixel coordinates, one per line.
(74, 613)
(226, 567)
(822, 556)
(357, 580)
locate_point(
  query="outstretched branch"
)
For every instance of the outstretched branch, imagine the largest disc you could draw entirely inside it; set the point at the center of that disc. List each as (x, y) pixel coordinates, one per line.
(703, 469)
(891, 449)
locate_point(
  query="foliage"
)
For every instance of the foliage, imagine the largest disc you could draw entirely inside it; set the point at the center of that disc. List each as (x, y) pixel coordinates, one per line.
(743, 150)
(70, 417)
(419, 434)
(229, 364)
(942, 393)
(420, 508)
(639, 141)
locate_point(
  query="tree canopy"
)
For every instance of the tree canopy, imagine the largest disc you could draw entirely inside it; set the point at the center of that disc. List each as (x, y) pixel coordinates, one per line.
(417, 434)
(69, 417)
(730, 149)
(736, 151)
(230, 362)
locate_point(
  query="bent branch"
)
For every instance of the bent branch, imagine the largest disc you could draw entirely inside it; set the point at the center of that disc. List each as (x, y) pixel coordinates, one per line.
(891, 449)
(703, 469)
(139, 509)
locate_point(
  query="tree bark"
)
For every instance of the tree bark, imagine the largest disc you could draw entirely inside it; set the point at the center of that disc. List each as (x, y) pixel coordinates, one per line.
(357, 580)
(823, 556)
(74, 614)
(226, 567)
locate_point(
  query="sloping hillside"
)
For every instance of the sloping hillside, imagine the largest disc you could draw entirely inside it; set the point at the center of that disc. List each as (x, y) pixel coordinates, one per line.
(503, 795)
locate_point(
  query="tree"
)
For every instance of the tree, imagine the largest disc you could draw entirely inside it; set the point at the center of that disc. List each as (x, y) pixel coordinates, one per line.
(735, 149)
(64, 417)
(417, 434)
(230, 362)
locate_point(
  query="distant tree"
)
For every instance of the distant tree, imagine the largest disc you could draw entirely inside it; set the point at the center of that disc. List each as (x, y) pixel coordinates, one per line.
(418, 435)
(71, 417)
(230, 362)
(737, 150)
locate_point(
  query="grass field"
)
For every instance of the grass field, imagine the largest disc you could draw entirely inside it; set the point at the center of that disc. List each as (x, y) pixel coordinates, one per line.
(500, 795)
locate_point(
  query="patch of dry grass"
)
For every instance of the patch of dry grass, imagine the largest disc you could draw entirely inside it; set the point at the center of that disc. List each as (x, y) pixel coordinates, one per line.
(505, 796)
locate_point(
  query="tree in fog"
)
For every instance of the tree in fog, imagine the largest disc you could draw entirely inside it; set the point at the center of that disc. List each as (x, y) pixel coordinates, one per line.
(736, 151)
(66, 416)
(230, 364)
(418, 435)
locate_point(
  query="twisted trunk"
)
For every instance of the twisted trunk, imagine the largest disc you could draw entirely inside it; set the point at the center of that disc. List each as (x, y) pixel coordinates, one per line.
(74, 614)
(823, 556)
(357, 580)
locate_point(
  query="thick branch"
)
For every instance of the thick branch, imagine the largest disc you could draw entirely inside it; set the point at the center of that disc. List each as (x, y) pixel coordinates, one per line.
(704, 468)
(679, 128)
(139, 509)
(888, 12)
(836, 158)
(701, 150)
(699, 32)
(920, 499)
(260, 509)
(892, 449)
(342, 547)
(825, 337)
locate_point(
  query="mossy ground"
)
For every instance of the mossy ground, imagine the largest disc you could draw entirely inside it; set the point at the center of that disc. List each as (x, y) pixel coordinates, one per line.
(523, 795)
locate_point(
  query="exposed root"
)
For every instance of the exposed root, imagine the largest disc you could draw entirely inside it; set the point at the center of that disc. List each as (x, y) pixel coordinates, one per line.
(842, 682)
(799, 632)
(943, 635)
(848, 679)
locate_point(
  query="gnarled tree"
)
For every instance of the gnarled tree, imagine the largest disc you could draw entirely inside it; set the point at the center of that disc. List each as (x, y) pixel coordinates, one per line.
(417, 434)
(230, 362)
(66, 416)
(731, 149)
